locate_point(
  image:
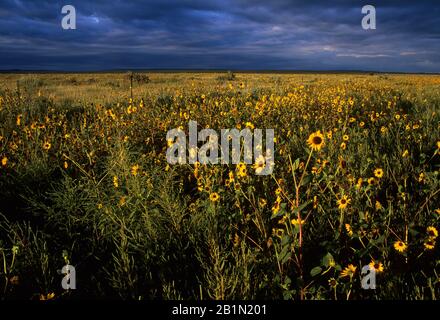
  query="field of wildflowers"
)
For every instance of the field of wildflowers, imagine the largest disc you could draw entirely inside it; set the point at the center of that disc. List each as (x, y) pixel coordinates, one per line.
(84, 181)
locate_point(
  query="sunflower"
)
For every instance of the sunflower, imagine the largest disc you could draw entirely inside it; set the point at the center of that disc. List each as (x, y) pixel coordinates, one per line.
(332, 282)
(4, 161)
(122, 201)
(371, 181)
(49, 296)
(316, 140)
(262, 202)
(134, 170)
(378, 205)
(345, 137)
(276, 207)
(46, 146)
(377, 266)
(349, 271)
(432, 232)
(359, 183)
(343, 146)
(400, 246)
(241, 168)
(430, 244)
(405, 154)
(343, 202)
(295, 222)
(242, 172)
(342, 163)
(259, 165)
(116, 181)
(378, 173)
(349, 229)
(278, 232)
(214, 197)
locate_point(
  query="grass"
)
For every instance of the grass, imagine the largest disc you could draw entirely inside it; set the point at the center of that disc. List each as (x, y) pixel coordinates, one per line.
(84, 180)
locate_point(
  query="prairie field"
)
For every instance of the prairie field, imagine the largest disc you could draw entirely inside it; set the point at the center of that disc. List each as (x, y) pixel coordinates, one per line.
(84, 181)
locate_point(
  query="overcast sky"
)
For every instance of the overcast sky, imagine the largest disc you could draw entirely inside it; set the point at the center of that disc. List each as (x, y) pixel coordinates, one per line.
(223, 34)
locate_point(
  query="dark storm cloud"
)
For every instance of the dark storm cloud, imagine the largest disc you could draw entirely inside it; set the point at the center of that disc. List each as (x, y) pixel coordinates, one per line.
(238, 34)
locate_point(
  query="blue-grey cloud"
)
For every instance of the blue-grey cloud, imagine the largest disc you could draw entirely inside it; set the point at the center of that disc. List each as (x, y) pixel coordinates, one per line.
(223, 34)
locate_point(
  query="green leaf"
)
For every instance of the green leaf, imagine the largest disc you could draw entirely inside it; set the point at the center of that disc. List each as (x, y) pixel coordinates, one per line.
(295, 165)
(286, 257)
(328, 260)
(315, 271)
(285, 240)
(301, 207)
(306, 180)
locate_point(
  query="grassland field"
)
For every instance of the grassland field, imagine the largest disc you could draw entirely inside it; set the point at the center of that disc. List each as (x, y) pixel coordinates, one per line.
(84, 181)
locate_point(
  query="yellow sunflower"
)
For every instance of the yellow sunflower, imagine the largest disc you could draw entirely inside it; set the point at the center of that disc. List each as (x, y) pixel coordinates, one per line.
(260, 164)
(295, 222)
(47, 146)
(359, 183)
(4, 161)
(377, 266)
(349, 271)
(49, 296)
(349, 229)
(116, 181)
(378, 173)
(405, 154)
(134, 170)
(429, 244)
(316, 140)
(214, 197)
(400, 246)
(432, 232)
(343, 202)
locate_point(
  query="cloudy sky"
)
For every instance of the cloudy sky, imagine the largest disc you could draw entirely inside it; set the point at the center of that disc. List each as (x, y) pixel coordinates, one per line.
(220, 34)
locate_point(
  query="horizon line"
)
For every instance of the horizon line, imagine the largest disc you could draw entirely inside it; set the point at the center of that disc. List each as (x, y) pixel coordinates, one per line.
(213, 70)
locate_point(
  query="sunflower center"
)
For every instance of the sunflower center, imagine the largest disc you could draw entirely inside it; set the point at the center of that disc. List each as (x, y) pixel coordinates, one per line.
(317, 140)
